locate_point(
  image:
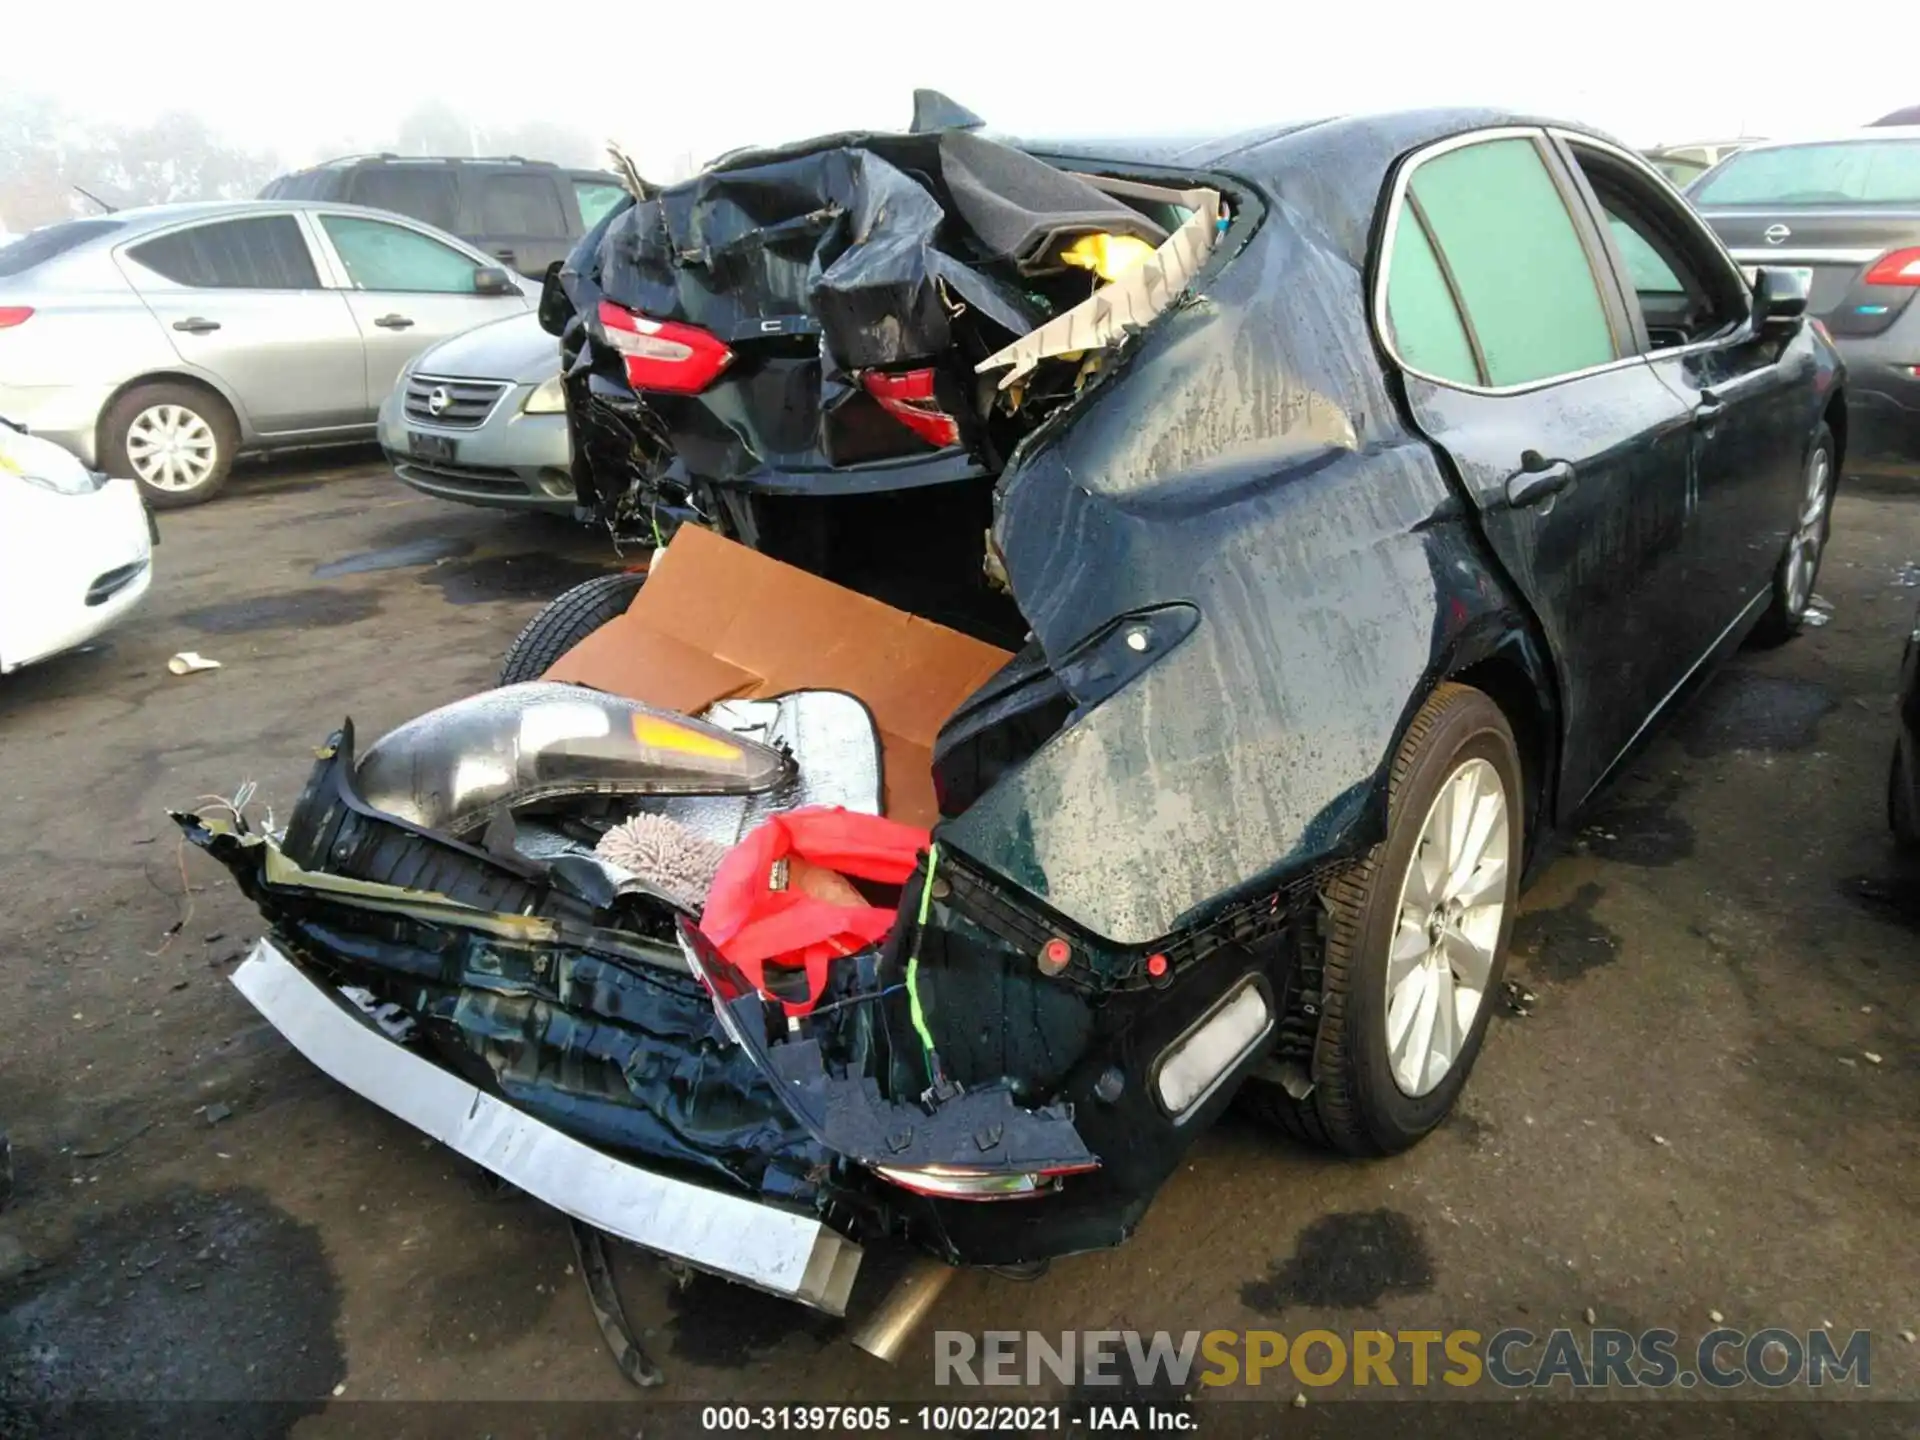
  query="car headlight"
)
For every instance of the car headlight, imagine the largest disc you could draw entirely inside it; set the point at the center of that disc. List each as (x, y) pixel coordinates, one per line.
(548, 398)
(63, 481)
(45, 465)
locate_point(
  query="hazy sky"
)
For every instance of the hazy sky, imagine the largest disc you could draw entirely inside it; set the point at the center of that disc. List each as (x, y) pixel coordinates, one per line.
(667, 76)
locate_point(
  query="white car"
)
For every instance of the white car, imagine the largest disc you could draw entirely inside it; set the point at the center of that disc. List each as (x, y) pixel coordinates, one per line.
(75, 550)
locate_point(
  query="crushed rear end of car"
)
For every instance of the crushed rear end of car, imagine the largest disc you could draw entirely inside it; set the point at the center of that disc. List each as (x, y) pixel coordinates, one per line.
(1061, 1001)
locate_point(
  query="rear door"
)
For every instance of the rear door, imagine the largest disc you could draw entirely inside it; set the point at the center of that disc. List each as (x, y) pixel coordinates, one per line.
(1496, 302)
(520, 216)
(1830, 208)
(1750, 397)
(406, 290)
(241, 300)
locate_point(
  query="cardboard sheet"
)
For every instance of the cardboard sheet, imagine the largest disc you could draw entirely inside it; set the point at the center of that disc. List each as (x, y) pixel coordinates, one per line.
(717, 621)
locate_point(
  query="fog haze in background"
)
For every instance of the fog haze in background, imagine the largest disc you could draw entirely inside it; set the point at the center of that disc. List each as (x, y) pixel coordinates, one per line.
(211, 100)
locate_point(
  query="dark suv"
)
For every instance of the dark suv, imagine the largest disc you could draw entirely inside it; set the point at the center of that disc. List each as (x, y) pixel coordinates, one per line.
(527, 213)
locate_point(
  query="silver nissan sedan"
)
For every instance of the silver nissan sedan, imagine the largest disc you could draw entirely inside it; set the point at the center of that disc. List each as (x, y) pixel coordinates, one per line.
(159, 343)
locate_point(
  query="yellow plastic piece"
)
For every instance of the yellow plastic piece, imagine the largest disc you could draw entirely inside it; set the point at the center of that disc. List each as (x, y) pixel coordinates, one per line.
(1108, 256)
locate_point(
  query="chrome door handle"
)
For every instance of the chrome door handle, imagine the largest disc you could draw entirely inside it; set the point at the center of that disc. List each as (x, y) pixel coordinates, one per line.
(394, 322)
(197, 325)
(1530, 487)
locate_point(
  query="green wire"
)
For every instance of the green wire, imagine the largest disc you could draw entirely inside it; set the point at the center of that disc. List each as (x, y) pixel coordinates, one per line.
(913, 962)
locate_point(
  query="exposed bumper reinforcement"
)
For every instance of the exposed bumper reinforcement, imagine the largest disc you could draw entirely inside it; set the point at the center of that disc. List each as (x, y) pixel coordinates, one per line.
(790, 1255)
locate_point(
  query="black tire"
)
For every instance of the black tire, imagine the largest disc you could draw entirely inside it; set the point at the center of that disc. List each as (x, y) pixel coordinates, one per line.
(1354, 1105)
(1786, 612)
(208, 407)
(566, 621)
(1900, 817)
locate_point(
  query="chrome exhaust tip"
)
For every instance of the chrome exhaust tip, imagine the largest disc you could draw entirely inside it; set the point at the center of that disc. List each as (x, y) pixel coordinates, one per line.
(886, 1331)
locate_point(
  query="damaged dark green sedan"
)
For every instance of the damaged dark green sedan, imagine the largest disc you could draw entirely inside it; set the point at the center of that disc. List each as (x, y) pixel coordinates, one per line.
(1354, 511)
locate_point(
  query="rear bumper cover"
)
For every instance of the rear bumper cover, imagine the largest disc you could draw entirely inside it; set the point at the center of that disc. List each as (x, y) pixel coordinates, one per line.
(795, 1256)
(1883, 393)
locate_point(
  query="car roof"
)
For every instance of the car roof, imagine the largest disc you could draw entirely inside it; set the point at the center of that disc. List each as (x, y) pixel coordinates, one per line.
(139, 219)
(137, 222)
(1840, 137)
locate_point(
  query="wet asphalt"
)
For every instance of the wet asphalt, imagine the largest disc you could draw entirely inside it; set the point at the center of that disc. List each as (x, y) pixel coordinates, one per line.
(1703, 1099)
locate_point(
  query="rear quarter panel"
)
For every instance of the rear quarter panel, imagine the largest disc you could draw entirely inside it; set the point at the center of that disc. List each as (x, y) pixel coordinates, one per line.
(1248, 458)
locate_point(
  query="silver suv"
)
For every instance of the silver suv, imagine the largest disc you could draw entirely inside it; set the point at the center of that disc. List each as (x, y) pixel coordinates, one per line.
(159, 343)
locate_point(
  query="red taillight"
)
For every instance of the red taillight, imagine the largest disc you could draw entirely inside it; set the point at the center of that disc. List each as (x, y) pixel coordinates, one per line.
(1896, 267)
(11, 315)
(663, 354)
(909, 398)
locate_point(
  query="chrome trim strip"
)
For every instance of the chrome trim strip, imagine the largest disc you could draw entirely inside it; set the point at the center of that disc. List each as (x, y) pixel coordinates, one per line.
(790, 1255)
(1779, 256)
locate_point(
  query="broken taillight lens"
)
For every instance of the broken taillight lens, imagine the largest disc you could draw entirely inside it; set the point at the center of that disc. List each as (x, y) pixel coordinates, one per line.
(908, 397)
(663, 355)
(11, 315)
(1896, 267)
(960, 1182)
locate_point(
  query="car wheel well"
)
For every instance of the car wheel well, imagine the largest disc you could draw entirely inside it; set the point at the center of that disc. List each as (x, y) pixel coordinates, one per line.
(1507, 683)
(162, 377)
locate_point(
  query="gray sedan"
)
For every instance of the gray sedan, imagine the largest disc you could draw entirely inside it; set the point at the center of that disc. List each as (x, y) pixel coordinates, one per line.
(159, 343)
(481, 418)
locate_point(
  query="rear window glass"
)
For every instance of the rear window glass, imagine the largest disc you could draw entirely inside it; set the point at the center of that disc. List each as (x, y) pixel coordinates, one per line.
(521, 205)
(1847, 172)
(267, 252)
(425, 195)
(30, 250)
(596, 198)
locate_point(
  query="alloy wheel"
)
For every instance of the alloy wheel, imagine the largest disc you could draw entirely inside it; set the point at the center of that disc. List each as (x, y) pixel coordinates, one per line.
(1452, 902)
(171, 448)
(1810, 533)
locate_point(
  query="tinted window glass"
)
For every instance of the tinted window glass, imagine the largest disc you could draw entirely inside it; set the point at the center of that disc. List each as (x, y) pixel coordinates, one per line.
(1517, 260)
(424, 195)
(1426, 327)
(1855, 172)
(263, 253)
(596, 198)
(379, 256)
(520, 205)
(1681, 172)
(43, 244)
(1649, 272)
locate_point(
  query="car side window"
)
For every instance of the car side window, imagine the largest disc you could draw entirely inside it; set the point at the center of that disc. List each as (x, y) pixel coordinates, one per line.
(379, 256)
(1501, 233)
(428, 196)
(596, 198)
(521, 205)
(1684, 289)
(1420, 307)
(260, 252)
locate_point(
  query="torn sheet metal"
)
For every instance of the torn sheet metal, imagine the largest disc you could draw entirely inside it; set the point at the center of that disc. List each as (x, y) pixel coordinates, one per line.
(1129, 303)
(782, 1252)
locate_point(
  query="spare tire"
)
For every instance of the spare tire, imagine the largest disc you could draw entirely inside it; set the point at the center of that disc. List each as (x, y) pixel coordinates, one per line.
(566, 621)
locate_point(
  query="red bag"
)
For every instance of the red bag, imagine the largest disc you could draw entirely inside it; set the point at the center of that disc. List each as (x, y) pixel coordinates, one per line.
(753, 925)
